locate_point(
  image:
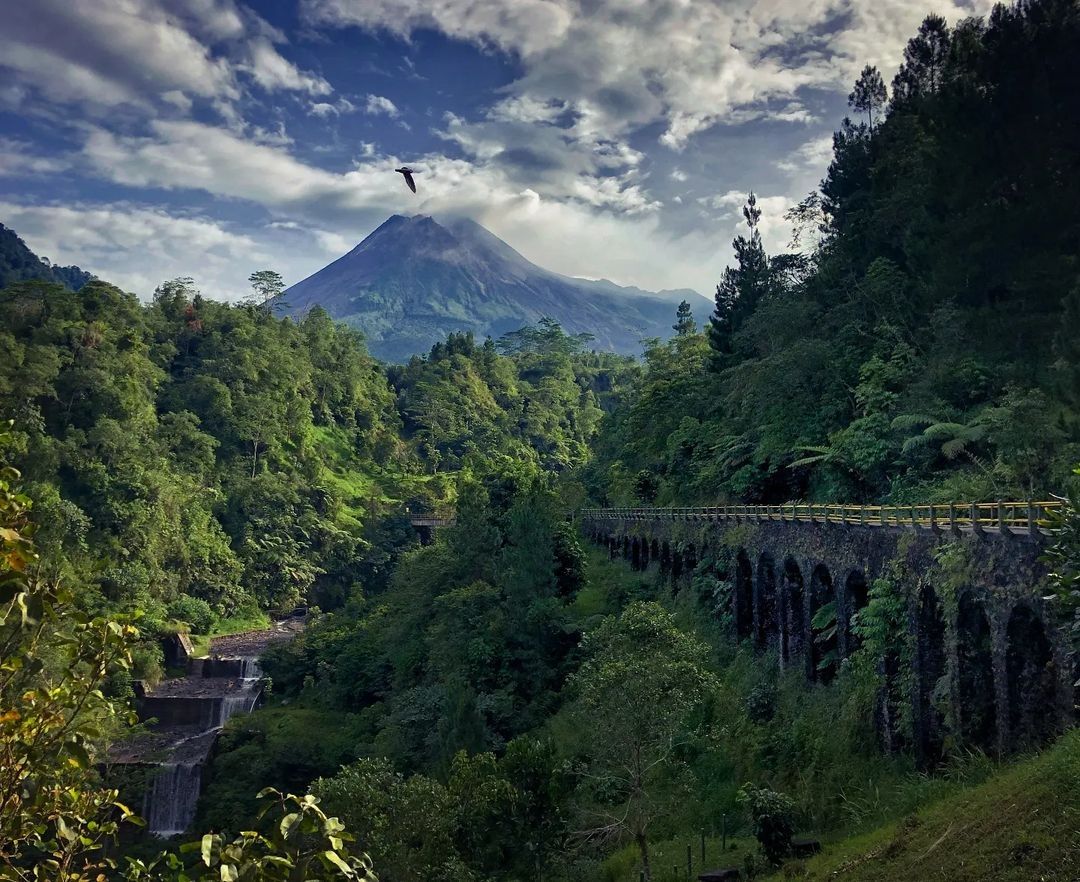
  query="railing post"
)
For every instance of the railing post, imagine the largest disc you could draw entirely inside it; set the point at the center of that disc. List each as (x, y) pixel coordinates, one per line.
(933, 519)
(975, 525)
(914, 519)
(1001, 518)
(862, 515)
(952, 518)
(1033, 520)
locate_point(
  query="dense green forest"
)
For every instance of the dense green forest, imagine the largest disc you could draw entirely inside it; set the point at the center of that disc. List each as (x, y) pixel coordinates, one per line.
(205, 461)
(505, 703)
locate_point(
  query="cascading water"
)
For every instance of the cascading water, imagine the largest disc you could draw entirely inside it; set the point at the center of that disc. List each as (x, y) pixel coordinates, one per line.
(186, 714)
(169, 803)
(242, 702)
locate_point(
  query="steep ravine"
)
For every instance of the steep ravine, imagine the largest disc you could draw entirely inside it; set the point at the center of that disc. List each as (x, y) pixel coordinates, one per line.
(184, 715)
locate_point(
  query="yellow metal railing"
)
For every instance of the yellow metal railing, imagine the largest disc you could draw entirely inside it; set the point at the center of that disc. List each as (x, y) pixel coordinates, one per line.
(1002, 517)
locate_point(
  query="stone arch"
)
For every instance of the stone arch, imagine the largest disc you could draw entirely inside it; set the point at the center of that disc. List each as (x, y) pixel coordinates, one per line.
(626, 547)
(690, 558)
(654, 550)
(856, 597)
(976, 704)
(929, 671)
(1032, 680)
(635, 553)
(766, 620)
(743, 606)
(823, 655)
(645, 557)
(665, 558)
(793, 616)
(677, 567)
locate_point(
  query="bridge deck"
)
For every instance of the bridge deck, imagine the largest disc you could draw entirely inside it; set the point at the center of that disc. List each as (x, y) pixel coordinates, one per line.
(1000, 517)
(431, 522)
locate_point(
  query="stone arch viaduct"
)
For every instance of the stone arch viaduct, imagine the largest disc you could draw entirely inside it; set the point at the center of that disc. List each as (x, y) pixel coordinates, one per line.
(985, 666)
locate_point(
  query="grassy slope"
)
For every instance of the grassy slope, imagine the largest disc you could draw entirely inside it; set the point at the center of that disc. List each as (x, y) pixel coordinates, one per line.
(1021, 825)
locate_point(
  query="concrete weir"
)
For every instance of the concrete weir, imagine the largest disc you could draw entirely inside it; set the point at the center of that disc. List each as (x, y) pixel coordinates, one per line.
(184, 715)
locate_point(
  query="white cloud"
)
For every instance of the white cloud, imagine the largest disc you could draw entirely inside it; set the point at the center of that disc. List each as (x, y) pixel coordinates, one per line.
(137, 248)
(323, 109)
(334, 244)
(104, 53)
(688, 65)
(273, 72)
(559, 163)
(522, 108)
(815, 154)
(596, 226)
(21, 158)
(378, 105)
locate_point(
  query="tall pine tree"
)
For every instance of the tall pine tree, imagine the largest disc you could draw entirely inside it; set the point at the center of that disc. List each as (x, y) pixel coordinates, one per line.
(743, 286)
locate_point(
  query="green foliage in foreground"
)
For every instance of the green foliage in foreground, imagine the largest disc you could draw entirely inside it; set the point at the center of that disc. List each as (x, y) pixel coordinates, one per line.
(493, 818)
(640, 682)
(57, 821)
(1063, 558)
(274, 746)
(302, 843)
(773, 817)
(1019, 825)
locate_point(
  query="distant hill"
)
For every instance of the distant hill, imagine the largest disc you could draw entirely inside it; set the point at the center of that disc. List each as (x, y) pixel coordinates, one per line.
(18, 263)
(413, 280)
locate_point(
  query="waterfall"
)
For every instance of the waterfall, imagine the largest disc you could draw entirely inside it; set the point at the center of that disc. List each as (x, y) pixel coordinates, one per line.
(241, 703)
(250, 668)
(169, 804)
(185, 715)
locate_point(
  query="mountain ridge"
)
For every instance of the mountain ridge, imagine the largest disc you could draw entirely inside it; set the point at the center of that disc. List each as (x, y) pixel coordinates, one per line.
(19, 264)
(415, 279)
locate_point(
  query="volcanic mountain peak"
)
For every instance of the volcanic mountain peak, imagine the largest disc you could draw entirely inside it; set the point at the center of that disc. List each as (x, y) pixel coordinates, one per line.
(415, 279)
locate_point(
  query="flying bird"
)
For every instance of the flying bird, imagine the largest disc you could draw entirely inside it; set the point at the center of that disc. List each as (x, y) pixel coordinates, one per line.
(408, 173)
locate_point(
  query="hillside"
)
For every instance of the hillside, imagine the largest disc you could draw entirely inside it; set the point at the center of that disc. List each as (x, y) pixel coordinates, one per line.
(18, 264)
(1018, 826)
(414, 280)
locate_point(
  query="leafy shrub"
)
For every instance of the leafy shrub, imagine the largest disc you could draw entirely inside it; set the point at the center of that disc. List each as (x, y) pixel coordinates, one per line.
(147, 662)
(773, 817)
(761, 703)
(193, 610)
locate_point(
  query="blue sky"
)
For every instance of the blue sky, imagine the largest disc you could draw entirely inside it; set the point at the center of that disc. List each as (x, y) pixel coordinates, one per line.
(146, 139)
